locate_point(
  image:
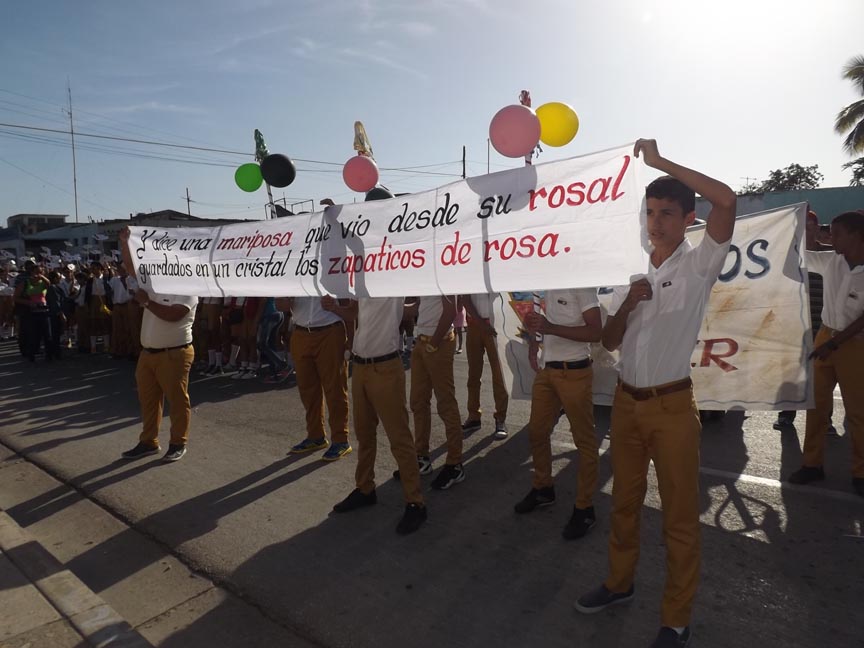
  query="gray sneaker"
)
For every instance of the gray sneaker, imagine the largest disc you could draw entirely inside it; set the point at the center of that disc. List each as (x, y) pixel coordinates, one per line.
(500, 430)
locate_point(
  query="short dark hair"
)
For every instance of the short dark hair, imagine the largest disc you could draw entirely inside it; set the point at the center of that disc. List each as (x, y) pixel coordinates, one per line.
(852, 221)
(669, 188)
(54, 276)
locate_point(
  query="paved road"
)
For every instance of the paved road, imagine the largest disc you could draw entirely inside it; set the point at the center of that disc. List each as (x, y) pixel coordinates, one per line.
(782, 565)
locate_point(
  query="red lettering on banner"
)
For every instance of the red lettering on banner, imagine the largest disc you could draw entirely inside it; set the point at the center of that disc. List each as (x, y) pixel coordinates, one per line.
(575, 194)
(708, 353)
(524, 247)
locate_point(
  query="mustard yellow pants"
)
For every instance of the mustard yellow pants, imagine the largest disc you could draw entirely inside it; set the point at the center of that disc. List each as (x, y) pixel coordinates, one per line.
(845, 367)
(665, 430)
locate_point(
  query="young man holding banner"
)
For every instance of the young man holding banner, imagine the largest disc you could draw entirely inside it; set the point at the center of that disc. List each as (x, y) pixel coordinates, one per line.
(378, 394)
(318, 345)
(432, 371)
(839, 351)
(570, 323)
(480, 338)
(163, 365)
(655, 321)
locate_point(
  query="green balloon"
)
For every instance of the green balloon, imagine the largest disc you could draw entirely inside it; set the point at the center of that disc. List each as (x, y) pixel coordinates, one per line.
(248, 177)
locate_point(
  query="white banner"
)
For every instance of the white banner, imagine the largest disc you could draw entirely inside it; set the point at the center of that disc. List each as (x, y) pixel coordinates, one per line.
(566, 224)
(755, 338)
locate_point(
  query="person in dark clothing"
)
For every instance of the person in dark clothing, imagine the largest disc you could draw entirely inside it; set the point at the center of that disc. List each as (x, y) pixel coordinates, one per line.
(56, 300)
(31, 296)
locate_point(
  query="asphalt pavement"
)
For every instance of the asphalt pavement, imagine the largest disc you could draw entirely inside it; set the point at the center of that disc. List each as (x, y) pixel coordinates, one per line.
(235, 545)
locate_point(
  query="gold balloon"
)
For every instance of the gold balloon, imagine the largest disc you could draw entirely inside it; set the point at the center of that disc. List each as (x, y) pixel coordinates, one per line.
(558, 123)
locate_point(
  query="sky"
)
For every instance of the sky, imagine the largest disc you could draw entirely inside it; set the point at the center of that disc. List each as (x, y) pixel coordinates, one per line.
(733, 89)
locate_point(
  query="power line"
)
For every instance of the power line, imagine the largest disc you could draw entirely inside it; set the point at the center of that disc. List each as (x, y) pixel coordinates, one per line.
(129, 139)
(415, 169)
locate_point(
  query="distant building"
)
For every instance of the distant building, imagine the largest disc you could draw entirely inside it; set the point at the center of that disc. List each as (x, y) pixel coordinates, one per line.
(827, 203)
(35, 223)
(164, 218)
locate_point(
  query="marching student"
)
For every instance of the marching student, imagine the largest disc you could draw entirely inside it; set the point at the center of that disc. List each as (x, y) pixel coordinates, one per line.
(317, 347)
(839, 346)
(378, 394)
(162, 372)
(570, 323)
(213, 326)
(481, 338)
(97, 296)
(655, 321)
(121, 315)
(432, 371)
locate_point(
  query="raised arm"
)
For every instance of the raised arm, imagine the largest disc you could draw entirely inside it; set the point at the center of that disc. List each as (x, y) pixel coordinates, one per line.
(721, 218)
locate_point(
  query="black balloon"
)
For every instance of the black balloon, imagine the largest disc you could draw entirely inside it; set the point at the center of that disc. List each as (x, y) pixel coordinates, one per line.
(378, 193)
(278, 170)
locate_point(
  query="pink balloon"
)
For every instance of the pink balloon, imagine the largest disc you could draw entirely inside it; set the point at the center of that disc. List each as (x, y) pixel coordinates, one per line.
(360, 173)
(514, 131)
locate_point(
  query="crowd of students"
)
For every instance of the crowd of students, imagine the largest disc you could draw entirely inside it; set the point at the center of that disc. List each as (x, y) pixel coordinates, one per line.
(654, 322)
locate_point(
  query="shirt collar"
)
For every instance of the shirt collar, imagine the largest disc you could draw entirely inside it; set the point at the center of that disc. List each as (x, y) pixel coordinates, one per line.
(684, 247)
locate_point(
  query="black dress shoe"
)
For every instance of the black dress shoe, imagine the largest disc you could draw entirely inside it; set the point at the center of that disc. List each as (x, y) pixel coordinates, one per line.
(356, 499)
(807, 474)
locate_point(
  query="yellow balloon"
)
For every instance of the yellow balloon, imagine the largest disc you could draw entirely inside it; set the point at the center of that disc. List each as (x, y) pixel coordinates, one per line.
(558, 123)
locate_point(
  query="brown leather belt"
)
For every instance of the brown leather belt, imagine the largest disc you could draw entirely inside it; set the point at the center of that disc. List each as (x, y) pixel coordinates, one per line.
(569, 364)
(383, 358)
(644, 393)
(174, 348)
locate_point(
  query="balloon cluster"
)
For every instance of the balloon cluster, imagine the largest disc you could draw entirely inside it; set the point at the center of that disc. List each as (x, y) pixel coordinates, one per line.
(276, 170)
(516, 130)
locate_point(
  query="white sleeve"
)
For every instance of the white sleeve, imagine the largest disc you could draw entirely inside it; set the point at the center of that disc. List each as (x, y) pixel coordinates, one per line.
(619, 294)
(708, 257)
(587, 298)
(817, 261)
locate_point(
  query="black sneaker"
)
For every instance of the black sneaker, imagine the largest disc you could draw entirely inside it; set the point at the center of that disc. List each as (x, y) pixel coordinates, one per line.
(449, 476)
(785, 420)
(535, 498)
(580, 523)
(423, 463)
(139, 451)
(412, 519)
(858, 485)
(601, 598)
(669, 638)
(471, 426)
(807, 474)
(175, 452)
(356, 499)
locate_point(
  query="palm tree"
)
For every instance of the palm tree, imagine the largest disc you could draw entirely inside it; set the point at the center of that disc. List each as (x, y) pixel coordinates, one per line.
(851, 118)
(857, 167)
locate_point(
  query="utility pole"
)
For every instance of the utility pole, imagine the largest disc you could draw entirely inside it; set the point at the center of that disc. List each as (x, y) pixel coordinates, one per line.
(487, 156)
(463, 162)
(74, 166)
(188, 201)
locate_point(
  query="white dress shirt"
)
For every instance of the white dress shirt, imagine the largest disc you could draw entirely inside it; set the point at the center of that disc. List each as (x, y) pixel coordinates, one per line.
(378, 321)
(662, 332)
(842, 288)
(565, 308)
